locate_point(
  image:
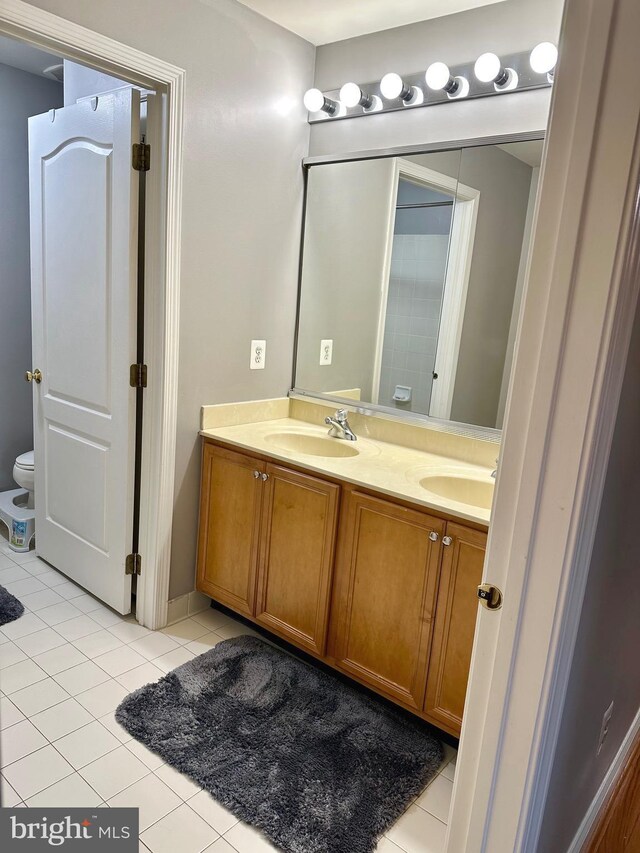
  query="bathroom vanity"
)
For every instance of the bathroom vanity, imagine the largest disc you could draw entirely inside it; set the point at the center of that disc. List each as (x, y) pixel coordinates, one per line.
(368, 554)
(348, 556)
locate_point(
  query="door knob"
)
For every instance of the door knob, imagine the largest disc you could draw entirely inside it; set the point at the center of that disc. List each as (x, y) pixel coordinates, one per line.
(256, 475)
(490, 596)
(36, 376)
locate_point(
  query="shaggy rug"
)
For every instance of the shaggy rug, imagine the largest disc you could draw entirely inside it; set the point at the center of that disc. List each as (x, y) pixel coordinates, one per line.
(10, 608)
(315, 764)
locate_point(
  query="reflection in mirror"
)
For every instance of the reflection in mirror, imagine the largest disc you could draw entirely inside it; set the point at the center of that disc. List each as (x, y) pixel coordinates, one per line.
(412, 279)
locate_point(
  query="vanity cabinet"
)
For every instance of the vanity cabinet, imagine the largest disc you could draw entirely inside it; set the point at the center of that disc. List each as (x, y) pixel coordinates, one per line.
(230, 504)
(266, 543)
(295, 565)
(461, 572)
(381, 590)
(386, 583)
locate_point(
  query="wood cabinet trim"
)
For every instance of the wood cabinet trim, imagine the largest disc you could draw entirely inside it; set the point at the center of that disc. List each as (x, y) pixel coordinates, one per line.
(246, 605)
(346, 486)
(315, 641)
(326, 639)
(438, 669)
(411, 694)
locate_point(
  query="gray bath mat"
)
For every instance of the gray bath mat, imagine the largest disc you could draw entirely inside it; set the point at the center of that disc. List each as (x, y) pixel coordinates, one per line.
(312, 762)
(10, 608)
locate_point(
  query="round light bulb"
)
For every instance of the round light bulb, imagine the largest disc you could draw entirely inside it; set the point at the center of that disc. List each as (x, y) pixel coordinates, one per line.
(487, 67)
(391, 86)
(437, 75)
(544, 57)
(313, 100)
(350, 94)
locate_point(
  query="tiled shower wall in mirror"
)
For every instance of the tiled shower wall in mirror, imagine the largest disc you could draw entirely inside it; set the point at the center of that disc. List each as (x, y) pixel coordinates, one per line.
(416, 285)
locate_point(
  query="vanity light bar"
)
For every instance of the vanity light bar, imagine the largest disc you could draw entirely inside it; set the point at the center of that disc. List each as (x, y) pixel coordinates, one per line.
(487, 76)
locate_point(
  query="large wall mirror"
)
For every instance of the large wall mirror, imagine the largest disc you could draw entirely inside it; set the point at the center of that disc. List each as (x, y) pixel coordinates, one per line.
(412, 278)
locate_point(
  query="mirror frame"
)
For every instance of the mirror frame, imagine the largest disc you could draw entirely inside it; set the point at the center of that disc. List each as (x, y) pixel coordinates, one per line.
(364, 407)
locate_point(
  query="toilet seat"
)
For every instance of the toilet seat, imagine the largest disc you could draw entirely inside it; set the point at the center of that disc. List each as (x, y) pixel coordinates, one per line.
(25, 461)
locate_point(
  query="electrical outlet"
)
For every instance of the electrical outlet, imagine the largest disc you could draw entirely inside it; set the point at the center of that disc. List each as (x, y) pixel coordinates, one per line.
(604, 730)
(326, 352)
(258, 355)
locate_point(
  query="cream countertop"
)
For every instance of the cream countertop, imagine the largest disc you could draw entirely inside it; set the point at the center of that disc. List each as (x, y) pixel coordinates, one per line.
(392, 469)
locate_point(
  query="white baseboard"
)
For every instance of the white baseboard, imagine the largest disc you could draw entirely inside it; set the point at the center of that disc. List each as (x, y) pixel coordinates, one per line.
(186, 605)
(607, 783)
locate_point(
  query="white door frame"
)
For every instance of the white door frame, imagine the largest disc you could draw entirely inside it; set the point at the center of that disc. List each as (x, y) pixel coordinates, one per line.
(164, 190)
(463, 229)
(572, 344)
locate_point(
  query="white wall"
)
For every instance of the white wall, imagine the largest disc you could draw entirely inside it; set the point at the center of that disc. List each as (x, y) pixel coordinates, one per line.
(245, 135)
(503, 27)
(606, 662)
(21, 95)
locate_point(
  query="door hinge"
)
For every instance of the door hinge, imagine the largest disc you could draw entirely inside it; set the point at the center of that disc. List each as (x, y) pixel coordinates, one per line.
(141, 157)
(138, 376)
(133, 564)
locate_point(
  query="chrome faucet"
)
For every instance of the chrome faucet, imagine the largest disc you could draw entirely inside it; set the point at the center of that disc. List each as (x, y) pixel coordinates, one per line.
(494, 473)
(340, 426)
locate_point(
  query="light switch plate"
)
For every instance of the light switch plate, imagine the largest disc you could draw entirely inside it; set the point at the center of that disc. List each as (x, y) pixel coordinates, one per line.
(326, 353)
(258, 355)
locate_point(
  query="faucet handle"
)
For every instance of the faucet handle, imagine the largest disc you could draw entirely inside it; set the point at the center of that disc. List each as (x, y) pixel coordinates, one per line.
(341, 416)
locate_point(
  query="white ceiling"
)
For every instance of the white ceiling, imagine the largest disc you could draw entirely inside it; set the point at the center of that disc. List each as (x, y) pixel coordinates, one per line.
(17, 54)
(325, 21)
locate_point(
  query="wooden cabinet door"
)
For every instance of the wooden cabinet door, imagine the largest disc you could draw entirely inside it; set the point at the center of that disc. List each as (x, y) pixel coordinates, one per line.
(229, 527)
(387, 573)
(298, 531)
(456, 613)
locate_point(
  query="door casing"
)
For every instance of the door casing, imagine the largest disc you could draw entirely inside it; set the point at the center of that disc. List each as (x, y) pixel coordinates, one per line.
(42, 29)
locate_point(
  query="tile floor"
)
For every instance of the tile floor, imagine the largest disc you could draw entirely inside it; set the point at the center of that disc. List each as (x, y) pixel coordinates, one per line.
(66, 664)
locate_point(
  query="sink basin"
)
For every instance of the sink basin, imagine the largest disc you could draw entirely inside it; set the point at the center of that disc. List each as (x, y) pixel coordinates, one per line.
(312, 445)
(465, 490)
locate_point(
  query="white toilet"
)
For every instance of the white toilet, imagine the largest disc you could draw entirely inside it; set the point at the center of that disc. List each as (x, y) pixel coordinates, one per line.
(17, 505)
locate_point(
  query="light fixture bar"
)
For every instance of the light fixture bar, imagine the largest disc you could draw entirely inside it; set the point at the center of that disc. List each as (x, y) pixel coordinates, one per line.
(467, 87)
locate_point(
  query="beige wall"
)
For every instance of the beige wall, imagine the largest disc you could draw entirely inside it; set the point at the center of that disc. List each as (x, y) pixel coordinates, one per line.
(245, 135)
(606, 662)
(503, 27)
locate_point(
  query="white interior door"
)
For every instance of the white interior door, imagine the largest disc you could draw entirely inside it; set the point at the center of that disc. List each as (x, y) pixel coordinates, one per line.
(84, 223)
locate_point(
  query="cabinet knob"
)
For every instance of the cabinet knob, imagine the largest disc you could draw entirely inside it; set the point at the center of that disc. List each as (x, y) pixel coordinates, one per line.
(256, 475)
(265, 477)
(433, 536)
(447, 540)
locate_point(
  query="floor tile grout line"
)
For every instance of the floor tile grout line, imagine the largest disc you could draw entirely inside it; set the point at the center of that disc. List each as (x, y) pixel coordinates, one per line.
(75, 772)
(179, 642)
